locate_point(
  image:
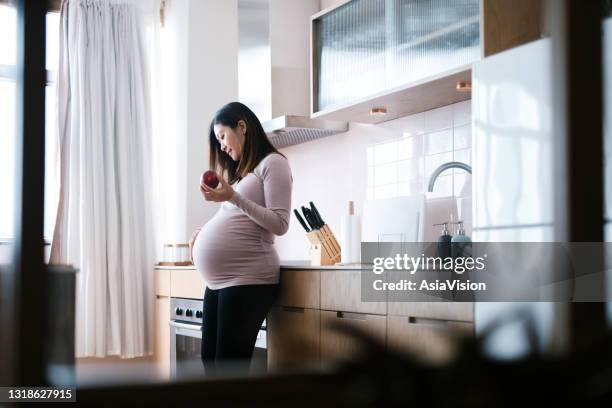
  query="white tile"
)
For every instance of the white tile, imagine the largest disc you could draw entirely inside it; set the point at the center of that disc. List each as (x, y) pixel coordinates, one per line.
(462, 184)
(438, 119)
(401, 162)
(439, 142)
(462, 113)
(385, 174)
(409, 188)
(370, 155)
(385, 152)
(403, 189)
(408, 125)
(463, 156)
(409, 147)
(462, 137)
(386, 191)
(409, 170)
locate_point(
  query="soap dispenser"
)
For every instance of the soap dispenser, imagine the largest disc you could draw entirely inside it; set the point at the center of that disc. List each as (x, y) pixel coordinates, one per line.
(444, 241)
(461, 243)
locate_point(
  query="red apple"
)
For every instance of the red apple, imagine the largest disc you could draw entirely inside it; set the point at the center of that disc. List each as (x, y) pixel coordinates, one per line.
(210, 178)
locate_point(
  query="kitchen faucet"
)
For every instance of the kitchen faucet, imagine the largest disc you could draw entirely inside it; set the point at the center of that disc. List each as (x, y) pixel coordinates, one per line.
(443, 167)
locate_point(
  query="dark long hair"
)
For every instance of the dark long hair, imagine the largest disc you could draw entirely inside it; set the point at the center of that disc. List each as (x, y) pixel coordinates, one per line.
(256, 143)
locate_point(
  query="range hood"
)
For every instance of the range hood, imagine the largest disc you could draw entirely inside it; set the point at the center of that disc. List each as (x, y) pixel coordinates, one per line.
(290, 130)
(274, 69)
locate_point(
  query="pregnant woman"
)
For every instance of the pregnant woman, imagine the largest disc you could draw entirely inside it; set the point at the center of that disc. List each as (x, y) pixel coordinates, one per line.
(234, 251)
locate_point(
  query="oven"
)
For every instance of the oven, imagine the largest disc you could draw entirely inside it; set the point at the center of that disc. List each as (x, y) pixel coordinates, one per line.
(186, 340)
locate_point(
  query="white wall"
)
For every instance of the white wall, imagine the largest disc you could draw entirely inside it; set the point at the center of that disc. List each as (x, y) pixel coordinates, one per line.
(198, 74)
(290, 55)
(329, 3)
(254, 63)
(170, 115)
(334, 170)
(212, 81)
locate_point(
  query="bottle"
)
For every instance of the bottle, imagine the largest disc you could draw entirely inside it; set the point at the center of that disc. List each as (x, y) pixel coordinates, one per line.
(461, 243)
(444, 241)
(350, 236)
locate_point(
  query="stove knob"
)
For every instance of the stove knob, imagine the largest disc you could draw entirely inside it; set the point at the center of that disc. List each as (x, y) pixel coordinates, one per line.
(178, 311)
(198, 314)
(189, 313)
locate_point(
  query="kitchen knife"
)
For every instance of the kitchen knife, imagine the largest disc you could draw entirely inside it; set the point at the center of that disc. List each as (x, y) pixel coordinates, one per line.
(301, 220)
(309, 218)
(314, 218)
(324, 228)
(316, 214)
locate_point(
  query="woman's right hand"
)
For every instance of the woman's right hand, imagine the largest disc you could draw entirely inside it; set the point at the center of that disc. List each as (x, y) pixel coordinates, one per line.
(192, 241)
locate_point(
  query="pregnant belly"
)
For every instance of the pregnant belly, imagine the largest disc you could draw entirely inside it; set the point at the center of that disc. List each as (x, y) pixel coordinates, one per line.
(228, 245)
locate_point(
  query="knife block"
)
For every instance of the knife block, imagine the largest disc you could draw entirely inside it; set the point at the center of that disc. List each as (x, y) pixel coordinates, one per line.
(324, 248)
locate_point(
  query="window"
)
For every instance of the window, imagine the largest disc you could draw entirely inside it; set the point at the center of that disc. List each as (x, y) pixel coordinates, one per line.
(51, 139)
(8, 32)
(8, 56)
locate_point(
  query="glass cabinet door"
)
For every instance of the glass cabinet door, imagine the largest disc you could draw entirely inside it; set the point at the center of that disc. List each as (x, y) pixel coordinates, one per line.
(368, 46)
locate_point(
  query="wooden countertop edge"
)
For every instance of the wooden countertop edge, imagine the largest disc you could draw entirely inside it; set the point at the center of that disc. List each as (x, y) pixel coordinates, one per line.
(284, 267)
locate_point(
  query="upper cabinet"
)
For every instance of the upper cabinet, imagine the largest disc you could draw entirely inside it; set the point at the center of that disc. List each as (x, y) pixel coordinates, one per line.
(407, 56)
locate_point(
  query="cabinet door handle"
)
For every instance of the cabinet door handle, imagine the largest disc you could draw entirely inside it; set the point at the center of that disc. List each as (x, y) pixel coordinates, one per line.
(425, 320)
(293, 309)
(349, 315)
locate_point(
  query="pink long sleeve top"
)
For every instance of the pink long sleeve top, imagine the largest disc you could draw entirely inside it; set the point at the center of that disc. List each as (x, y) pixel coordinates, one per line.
(236, 247)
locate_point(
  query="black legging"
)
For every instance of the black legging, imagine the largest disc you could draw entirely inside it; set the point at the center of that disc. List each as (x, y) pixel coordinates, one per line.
(232, 318)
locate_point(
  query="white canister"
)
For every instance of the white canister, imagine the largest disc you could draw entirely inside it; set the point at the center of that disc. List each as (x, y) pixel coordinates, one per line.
(350, 236)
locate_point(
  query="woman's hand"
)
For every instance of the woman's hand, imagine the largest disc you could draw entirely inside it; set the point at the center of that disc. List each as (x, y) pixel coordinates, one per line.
(192, 242)
(223, 192)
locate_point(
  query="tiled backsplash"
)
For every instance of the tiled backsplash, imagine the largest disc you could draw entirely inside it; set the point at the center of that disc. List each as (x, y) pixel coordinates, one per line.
(403, 165)
(374, 161)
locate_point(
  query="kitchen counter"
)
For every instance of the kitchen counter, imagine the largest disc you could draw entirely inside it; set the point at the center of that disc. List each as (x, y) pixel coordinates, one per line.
(298, 264)
(306, 265)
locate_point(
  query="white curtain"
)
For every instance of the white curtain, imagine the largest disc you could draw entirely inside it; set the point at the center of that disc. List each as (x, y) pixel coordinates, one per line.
(105, 221)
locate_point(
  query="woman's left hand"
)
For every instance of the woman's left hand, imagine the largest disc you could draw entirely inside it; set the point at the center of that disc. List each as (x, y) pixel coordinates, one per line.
(223, 192)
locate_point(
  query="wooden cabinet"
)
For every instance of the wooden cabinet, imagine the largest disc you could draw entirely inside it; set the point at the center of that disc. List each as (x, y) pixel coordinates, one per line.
(293, 338)
(507, 24)
(300, 288)
(162, 282)
(312, 302)
(162, 335)
(339, 345)
(429, 340)
(462, 33)
(187, 283)
(161, 315)
(341, 291)
(460, 311)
